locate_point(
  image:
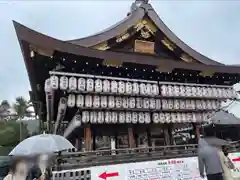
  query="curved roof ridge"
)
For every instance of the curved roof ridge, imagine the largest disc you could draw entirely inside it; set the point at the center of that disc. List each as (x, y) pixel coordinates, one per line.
(111, 31)
(35, 38)
(172, 36)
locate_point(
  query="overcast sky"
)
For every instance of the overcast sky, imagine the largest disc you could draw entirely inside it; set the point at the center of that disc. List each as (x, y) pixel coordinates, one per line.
(210, 27)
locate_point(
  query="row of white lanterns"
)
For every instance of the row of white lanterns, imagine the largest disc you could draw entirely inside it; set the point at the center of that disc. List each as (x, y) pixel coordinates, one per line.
(108, 117)
(96, 101)
(126, 87)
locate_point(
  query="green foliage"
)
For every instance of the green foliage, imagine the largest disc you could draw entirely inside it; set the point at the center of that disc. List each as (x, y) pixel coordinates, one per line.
(10, 133)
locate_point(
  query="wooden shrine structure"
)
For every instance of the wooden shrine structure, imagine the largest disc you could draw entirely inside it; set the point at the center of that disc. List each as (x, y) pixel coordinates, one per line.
(129, 86)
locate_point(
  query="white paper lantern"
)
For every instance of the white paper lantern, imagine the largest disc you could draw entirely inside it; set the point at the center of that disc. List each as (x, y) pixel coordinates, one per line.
(108, 117)
(229, 93)
(182, 91)
(154, 89)
(148, 89)
(100, 117)
(122, 118)
(179, 117)
(146, 103)
(142, 89)
(219, 93)
(192, 104)
(162, 118)
(174, 117)
(63, 83)
(141, 118)
(104, 102)
(72, 83)
(204, 104)
(170, 90)
(209, 104)
(128, 117)
(214, 105)
(164, 90)
(98, 85)
(168, 117)
(132, 103)
(139, 103)
(170, 104)
(152, 103)
(156, 118)
(90, 85)
(182, 104)
(214, 92)
(218, 104)
(189, 117)
(194, 119)
(224, 90)
(85, 117)
(188, 91)
(93, 117)
(205, 92)
(176, 104)
(135, 88)
(164, 104)
(184, 118)
(114, 87)
(114, 117)
(134, 118)
(194, 91)
(107, 86)
(125, 102)
(188, 104)
(111, 102)
(71, 100)
(129, 88)
(47, 86)
(81, 84)
(88, 101)
(158, 104)
(118, 102)
(96, 101)
(209, 92)
(198, 104)
(147, 118)
(199, 92)
(54, 82)
(121, 87)
(176, 90)
(80, 101)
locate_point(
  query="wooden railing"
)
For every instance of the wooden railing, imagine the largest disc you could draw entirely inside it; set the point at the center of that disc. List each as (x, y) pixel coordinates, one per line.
(117, 156)
(72, 160)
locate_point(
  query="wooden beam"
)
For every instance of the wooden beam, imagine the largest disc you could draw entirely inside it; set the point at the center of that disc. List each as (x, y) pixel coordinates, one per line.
(88, 138)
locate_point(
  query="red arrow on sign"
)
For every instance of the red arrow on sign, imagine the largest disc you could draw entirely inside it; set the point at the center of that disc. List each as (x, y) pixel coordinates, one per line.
(106, 175)
(236, 159)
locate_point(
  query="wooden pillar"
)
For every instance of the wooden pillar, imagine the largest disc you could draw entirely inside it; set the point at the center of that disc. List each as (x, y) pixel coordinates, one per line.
(88, 138)
(197, 130)
(170, 129)
(166, 135)
(131, 137)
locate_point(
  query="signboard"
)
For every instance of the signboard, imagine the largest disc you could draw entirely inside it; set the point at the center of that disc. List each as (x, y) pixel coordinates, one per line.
(144, 46)
(177, 169)
(169, 169)
(235, 158)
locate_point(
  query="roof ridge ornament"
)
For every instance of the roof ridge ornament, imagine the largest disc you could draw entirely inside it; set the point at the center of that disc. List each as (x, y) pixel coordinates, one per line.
(137, 4)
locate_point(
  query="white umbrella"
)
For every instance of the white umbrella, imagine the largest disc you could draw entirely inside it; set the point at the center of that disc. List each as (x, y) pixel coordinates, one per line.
(41, 144)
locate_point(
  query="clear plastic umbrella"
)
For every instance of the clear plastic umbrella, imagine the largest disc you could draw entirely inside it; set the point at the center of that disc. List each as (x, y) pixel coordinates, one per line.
(41, 144)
